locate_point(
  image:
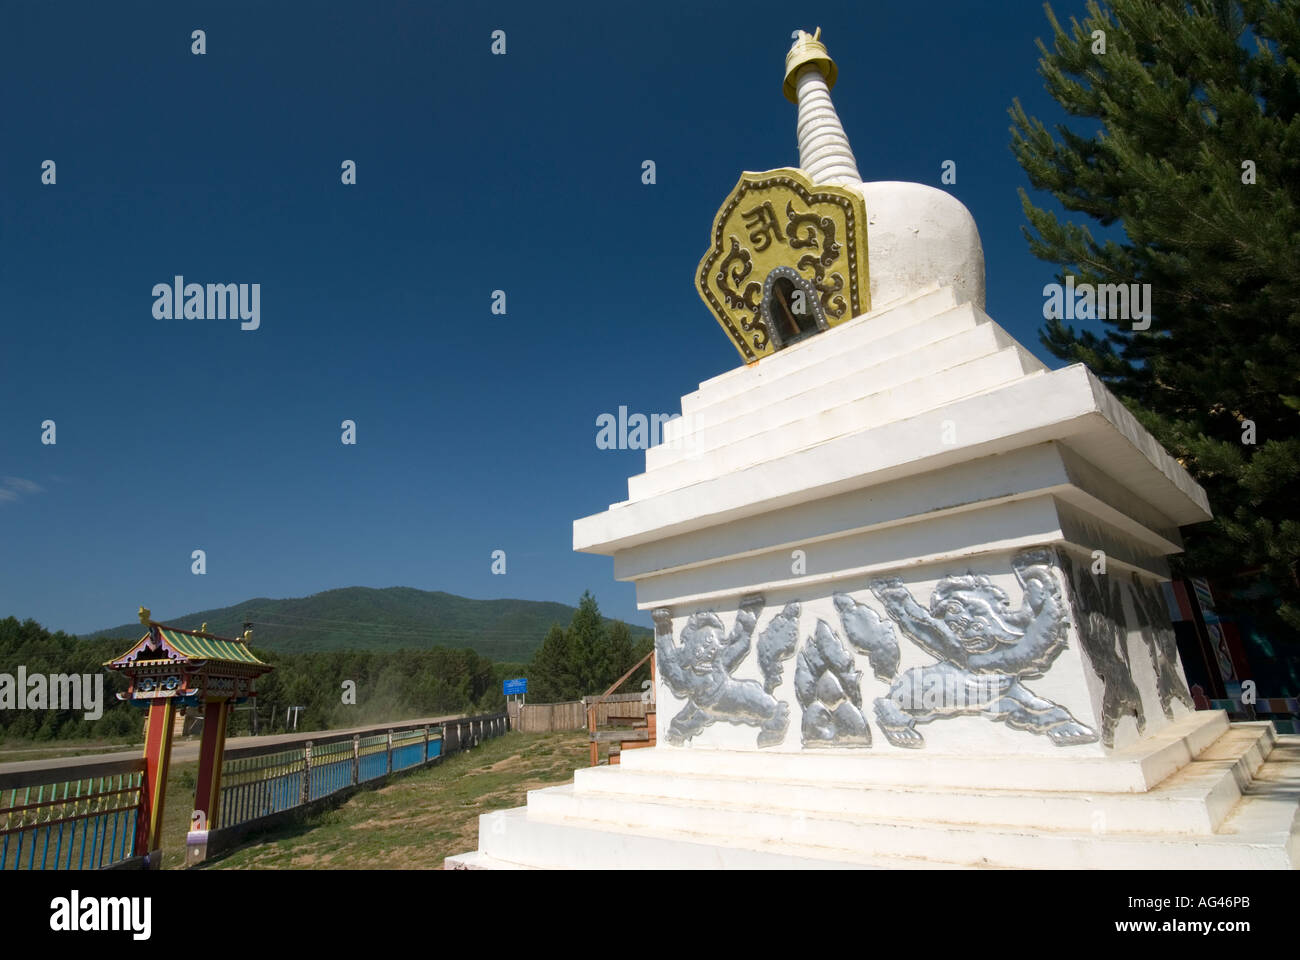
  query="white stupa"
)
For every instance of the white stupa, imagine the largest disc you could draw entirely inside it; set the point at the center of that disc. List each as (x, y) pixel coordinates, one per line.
(905, 579)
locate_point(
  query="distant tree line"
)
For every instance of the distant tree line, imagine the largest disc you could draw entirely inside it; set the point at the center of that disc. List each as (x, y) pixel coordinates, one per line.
(389, 685)
(28, 644)
(335, 689)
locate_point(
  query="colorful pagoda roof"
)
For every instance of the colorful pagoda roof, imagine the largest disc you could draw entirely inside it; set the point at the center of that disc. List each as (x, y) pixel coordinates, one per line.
(165, 643)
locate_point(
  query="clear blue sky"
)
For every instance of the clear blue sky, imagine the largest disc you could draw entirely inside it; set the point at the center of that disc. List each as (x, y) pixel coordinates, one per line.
(475, 172)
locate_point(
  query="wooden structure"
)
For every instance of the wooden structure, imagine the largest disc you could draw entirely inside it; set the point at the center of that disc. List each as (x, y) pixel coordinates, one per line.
(549, 717)
(170, 668)
(643, 730)
(618, 708)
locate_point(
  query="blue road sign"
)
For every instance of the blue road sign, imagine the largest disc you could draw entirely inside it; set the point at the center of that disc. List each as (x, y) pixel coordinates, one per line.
(515, 686)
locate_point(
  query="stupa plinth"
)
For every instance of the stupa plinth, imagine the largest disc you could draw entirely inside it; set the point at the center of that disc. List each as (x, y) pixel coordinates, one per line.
(905, 580)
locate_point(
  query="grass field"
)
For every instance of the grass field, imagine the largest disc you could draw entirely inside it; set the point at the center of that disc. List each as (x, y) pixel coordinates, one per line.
(413, 823)
(16, 749)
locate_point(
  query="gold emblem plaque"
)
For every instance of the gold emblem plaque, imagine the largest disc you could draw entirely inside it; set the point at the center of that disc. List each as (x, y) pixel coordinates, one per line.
(779, 218)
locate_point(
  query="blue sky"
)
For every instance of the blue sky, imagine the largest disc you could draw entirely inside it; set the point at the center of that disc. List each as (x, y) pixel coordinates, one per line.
(474, 173)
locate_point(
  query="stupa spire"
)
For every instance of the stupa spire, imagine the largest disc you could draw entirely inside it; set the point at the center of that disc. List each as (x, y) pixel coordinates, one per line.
(824, 152)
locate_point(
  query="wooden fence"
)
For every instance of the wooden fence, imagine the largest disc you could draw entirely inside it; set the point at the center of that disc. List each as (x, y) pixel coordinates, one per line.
(550, 717)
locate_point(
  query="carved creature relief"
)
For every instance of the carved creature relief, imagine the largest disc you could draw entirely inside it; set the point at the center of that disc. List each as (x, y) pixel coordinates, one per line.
(1099, 613)
(699, 671)
(870, 634)
(777, 643)
(1161, 645)
(826, 686)
(984, 647)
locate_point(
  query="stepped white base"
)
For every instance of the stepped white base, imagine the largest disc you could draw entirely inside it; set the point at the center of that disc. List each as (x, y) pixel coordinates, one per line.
(1229, 803)
(904, 585)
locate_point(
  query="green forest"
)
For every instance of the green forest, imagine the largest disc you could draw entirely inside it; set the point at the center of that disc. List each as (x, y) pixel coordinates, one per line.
(381, 619)
(583, 658)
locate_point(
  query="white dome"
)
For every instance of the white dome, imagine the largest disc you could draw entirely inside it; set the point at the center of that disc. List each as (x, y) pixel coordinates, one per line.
(918, 235)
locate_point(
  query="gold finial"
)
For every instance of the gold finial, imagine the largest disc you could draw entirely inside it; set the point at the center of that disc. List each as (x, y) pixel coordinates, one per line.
(204, 628)
(145, 615)
(247, 637)
(807, 49)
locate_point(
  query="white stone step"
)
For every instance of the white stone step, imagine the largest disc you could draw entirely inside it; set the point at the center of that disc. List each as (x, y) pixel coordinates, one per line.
(1068, 404)
(1195, 800)
(908, 347)
(861, 329)
(878, 363)
(1260, 834)
(478, 860)
(1031, 471)
(565, 827)
(809, 430)
(794, 398)
(510, 839)
(1133, 770)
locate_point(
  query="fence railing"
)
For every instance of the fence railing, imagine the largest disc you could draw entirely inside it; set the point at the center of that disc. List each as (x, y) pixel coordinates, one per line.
(549, 717)
(573, 714)
(83, 813)
(83, 820)
(261, 782)
(618, 707)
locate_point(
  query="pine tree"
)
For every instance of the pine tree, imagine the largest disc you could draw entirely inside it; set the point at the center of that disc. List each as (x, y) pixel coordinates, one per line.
(1192, 159)
(551, 674)
(620, 653)
(587, 637)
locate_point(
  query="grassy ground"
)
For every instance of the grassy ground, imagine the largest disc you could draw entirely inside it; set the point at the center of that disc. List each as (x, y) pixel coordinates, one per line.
(176, 812)
(412, 823)
(17, 749)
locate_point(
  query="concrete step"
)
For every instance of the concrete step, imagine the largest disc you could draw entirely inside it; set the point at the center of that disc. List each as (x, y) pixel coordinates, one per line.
(1132, 770)
(948, 336)
(817, 427)
(867, 328)
(477, 860)
(879, 370)
(566, 827)
(956, 357)
(1193, 801)
(513, 839)
(1262, 833)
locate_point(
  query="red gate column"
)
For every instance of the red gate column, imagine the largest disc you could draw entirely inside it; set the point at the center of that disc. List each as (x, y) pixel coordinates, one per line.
(153, 787)
(207, 791)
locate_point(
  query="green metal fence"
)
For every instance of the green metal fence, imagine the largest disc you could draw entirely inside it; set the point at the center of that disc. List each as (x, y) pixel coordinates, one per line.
(80, 816)
(260, 782)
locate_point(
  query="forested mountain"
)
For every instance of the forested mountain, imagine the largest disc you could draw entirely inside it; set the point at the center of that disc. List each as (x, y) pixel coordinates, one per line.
(393, 618)
(353, 656)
